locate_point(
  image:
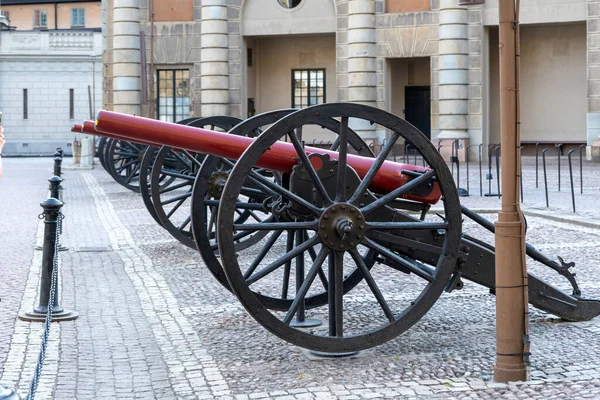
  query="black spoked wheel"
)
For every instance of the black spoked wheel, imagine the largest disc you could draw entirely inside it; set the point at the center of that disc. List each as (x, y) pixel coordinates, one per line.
(146, 170)
(123, 161)
(347, 216)
(100, 152)
(264, 204)
(172, 203)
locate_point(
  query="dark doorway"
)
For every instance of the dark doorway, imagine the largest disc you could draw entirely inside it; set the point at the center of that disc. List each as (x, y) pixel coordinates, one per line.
(418, 108)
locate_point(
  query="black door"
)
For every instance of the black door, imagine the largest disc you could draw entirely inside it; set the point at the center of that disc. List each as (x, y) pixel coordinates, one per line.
(417, 110)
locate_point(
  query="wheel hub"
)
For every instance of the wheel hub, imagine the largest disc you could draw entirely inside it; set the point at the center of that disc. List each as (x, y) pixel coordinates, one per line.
(341, 227)
(217, 183)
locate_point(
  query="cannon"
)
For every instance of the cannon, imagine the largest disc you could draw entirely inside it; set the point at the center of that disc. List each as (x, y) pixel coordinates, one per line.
(381, 241)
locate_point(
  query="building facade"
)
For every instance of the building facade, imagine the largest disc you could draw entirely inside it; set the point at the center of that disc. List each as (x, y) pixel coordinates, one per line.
(432, 62)
(50, 72)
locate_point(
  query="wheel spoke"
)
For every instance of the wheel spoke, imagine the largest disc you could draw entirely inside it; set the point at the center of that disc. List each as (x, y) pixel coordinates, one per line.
(366, 182)
(336, 294)
(174, 187)
(192, 158)
(383, 200)
(288, 265)
(342, 161)
(133, 173)
(176, 198)
(310, 277)
(310, 169)
(372, 285)
(179, 157)
(185, 223)
(267, 226)
(313, 256)
(398, 259)
(263, 252)
(286, 193)
(169, 172)
(281, 260)
(406, 225)
(211, 221)
(176, 207)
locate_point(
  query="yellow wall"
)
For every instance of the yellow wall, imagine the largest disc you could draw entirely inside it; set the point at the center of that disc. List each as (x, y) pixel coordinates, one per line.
(405, 72)
(553, 84)
(21, 16)
(269, 80)
(402, 6)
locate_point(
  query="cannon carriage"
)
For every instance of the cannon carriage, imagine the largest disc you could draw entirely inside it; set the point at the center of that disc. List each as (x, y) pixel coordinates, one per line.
(367, 244)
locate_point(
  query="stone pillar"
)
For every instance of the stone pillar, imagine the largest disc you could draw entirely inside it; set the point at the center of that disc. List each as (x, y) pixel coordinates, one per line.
(362, 61)
(214, 67)
(593, 77)
(126, 80)
(453, 73)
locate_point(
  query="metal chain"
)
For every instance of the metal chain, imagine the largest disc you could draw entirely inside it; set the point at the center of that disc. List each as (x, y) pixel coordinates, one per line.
(42, 355)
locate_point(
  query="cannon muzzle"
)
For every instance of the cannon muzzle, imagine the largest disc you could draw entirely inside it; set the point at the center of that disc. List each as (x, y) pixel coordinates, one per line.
(280, 157)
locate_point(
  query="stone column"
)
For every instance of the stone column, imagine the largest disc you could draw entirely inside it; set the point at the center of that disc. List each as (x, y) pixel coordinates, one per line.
(362, 61)
(453, 73)
(214, 67)
(593, 79)
(126, 80)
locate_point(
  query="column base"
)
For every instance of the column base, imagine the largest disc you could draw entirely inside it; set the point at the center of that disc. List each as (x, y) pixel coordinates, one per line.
(446, 148)
(34, 316)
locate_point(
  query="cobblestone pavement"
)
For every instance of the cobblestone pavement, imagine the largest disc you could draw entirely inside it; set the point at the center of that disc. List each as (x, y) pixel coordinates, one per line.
(155, 324)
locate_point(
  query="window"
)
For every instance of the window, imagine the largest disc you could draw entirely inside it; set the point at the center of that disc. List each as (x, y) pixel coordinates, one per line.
(72, 103)
(308, 87)
(40, 19)
(77, 17)
(289, 3)
(24, 103)
(173, 103)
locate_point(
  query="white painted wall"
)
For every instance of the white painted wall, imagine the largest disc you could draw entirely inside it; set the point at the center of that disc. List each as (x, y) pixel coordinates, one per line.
(268, 17)
(553, 84)
(48, 72)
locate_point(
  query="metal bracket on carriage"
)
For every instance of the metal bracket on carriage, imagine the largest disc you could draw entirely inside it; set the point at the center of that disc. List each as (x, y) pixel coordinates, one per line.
(425, 188)
(563, 270)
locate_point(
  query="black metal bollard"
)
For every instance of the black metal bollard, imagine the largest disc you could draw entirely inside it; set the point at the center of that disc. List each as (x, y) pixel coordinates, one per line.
(545, 177)
(489, 175)
(558, 151)
(56, 191)
(521, 170)
(536, 164)
(60, 152)
(57, 166)
(571, 176)
(581, 166)
(52, 220)
(467, 162)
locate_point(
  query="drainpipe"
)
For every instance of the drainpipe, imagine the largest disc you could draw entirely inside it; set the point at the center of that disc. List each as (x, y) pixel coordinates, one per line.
(512, 318)
(55, 16)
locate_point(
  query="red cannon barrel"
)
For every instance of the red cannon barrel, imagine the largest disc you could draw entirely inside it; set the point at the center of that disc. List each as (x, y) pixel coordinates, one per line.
(280, 157)
(89, 127)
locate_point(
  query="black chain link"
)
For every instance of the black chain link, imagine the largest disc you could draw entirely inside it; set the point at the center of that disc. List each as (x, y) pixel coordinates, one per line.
(42, 355)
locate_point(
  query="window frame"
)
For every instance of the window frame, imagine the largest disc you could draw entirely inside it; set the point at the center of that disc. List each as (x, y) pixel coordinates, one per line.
(173, 77)
(25, 105)
(309, 70)
(40, 12)
(71, 103)
(81, 14)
